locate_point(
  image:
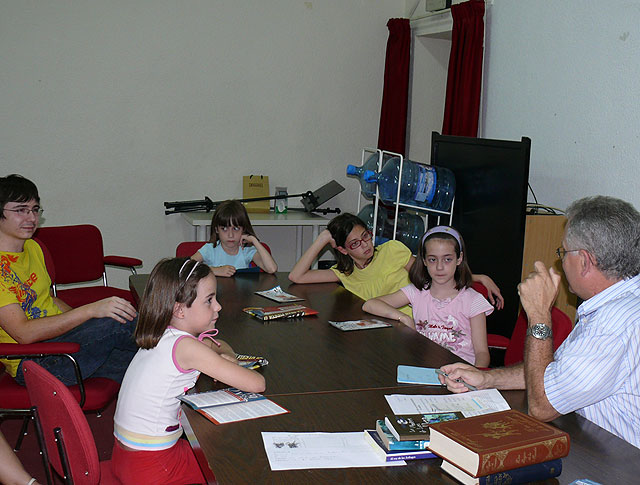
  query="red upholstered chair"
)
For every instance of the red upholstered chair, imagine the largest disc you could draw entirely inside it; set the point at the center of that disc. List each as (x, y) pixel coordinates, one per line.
(561, 326)
(93, 394)
(514, 346)
(78, 256)
(189, 248)
(64, 434)
(493, 340)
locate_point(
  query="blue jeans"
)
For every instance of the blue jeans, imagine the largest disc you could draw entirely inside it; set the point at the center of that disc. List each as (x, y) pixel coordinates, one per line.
(106, 348)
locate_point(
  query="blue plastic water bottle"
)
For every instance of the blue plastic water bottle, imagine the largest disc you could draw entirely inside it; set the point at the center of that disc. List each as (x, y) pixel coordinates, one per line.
(422, 185)
(383, 231)
(410, 230)
(368, 189)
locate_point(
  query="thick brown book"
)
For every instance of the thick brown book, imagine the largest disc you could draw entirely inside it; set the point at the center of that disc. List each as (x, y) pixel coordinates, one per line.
(497, 442)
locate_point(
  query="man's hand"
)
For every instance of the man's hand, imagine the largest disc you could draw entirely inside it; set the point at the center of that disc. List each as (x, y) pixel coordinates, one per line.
(538, 292)
(459, 372)
(114, 307)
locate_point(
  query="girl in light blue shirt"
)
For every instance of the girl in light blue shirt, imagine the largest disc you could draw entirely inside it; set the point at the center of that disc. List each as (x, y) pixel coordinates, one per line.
(233, 244)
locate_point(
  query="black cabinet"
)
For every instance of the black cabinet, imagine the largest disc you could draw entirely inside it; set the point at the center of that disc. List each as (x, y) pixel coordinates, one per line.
(491, 197)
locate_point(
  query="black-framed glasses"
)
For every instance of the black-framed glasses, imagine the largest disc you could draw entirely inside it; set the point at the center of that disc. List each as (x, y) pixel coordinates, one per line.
(561, 252)
(355, 244)
(25, 211)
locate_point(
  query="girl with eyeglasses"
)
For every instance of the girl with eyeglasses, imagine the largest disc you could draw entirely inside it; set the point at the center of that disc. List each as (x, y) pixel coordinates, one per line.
(445, 308)
(366, 271)
(175, 334)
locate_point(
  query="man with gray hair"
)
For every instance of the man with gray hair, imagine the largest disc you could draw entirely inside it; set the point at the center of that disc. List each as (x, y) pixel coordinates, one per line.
(596, 371)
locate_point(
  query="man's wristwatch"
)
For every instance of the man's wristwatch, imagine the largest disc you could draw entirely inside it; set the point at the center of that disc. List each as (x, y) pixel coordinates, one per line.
(540, 331)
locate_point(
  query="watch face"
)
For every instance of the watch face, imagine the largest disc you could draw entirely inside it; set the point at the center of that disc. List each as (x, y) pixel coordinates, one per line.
(540, 331)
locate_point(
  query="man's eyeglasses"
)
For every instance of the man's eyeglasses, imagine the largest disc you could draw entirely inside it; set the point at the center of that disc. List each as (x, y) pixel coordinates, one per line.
(25, 211)
(561, 252)
(355, 244)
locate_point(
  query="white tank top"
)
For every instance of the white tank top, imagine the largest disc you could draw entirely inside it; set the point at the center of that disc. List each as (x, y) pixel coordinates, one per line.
(148, 411)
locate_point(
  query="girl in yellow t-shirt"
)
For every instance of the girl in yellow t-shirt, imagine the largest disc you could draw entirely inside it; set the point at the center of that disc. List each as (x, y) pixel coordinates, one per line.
(366, 271)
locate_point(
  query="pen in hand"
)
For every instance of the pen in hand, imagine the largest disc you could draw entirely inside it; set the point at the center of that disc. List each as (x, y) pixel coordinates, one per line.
(468, 386)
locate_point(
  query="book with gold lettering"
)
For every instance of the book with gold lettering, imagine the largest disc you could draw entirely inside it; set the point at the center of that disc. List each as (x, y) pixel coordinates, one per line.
(282, 311)
(496, 442)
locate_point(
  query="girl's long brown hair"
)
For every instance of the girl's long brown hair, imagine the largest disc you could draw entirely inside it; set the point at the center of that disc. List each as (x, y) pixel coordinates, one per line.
(340, 227)
(230, 213)
(167, 286)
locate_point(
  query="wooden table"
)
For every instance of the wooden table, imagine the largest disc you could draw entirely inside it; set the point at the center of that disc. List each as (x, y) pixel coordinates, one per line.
(336, 381)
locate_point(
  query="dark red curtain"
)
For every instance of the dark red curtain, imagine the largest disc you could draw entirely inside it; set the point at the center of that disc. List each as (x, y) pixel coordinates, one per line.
(464, 80)
(395, 95)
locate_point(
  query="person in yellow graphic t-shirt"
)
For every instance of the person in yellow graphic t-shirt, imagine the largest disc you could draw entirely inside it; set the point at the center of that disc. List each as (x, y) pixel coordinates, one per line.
(28, 311)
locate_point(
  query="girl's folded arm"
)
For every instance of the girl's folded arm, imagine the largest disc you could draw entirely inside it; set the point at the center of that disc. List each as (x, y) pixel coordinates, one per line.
(192, 354)
(302, 272)
(387, 306)
(263, 259)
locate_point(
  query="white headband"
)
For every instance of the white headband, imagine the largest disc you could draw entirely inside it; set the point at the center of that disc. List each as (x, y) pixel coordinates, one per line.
(190, 272)
(446, 230)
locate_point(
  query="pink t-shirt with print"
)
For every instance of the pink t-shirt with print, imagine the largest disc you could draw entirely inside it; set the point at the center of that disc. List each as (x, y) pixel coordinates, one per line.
(448, 322)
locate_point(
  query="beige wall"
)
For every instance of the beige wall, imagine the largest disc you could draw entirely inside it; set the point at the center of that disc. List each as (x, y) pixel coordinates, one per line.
(114, 107)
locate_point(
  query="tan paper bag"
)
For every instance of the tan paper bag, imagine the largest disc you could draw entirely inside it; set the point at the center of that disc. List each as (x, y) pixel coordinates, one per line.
(256, 186)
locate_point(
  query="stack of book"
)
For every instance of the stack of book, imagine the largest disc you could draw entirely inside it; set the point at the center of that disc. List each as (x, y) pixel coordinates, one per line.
(405, 437)
(283, 311)
(503, 447)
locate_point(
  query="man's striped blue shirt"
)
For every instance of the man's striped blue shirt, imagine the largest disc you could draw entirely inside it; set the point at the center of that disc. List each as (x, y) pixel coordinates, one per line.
(596, 370)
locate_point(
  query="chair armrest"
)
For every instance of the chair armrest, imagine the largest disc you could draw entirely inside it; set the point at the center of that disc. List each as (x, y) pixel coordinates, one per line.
(122, 261)
(40, 348)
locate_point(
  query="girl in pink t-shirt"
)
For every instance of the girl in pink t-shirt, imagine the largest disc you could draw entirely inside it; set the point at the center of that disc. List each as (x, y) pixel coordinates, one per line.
(445, 308)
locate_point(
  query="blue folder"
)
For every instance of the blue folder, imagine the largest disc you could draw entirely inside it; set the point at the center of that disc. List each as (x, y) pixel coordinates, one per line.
(408, 374)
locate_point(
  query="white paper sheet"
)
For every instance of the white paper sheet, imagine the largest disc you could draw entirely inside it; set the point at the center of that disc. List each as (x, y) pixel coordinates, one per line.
(471, 403)
(301, 451)
(244, 410)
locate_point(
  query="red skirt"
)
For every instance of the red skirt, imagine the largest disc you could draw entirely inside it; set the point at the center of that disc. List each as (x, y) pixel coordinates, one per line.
(174, 466)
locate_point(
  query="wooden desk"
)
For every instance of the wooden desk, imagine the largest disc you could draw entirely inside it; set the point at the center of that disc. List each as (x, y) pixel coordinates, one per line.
(336, 381)
(359, 360)
(202, 223)
(236, 454)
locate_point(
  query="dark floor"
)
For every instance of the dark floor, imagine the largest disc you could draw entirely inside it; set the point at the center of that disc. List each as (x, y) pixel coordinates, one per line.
(102, 428)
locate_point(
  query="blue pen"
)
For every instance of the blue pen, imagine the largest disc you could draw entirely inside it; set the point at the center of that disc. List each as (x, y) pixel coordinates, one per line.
(468, 386)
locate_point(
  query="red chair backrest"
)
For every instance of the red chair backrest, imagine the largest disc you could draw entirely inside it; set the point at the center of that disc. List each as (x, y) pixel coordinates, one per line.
(561, 326)
(480, 288)
(58, 408)
(188, 248)
(48, 259)
(76, 251)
